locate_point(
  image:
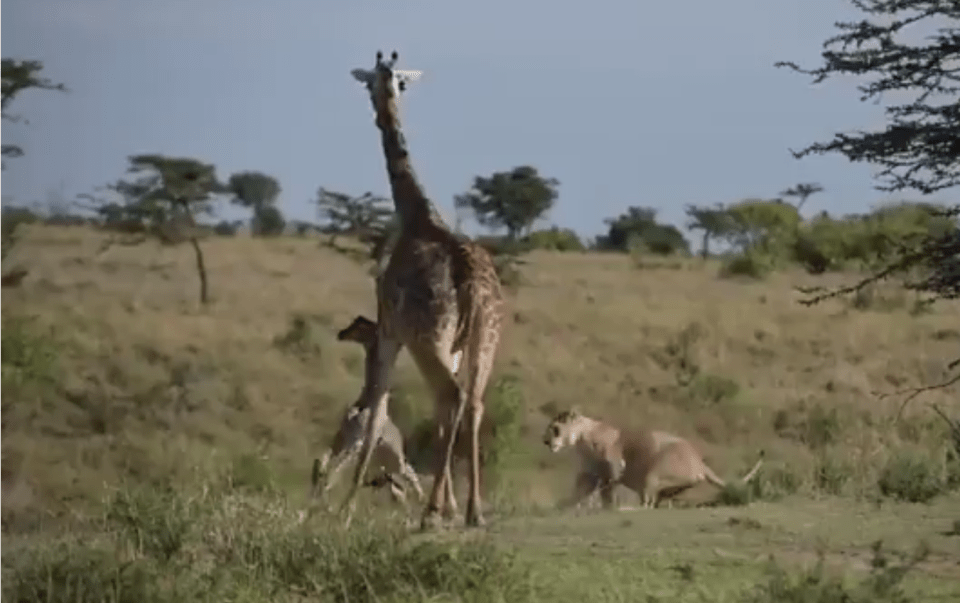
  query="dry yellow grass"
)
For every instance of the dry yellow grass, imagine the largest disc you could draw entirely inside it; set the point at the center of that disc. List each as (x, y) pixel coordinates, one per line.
(155, 386)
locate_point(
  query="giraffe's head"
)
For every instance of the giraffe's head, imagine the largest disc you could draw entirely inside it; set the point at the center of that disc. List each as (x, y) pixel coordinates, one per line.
(384, 83)
(362, 330)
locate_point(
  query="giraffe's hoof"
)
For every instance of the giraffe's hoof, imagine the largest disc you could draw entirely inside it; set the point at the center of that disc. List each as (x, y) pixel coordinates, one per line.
(475, 520)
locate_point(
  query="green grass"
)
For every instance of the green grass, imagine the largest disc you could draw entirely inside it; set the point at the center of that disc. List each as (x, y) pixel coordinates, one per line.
(121, 395)
(224, 545)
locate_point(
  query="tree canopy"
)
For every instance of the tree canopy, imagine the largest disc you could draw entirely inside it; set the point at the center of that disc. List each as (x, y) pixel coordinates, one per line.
(919, 147)
(253, 189)
(258, 192)
(345, 213)
(16, 77)
(638, 228)
(513, 200)
(713, 221)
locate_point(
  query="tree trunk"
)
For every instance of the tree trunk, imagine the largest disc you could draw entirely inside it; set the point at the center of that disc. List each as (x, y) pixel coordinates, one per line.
(201, 270)
(705, 248)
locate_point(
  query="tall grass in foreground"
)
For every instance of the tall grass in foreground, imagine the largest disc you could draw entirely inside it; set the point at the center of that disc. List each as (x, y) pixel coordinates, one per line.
(161, 545)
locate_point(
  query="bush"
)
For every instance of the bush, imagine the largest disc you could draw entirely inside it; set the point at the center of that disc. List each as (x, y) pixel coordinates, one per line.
(500, 431)
(225, 229)
(751, 264)
(555, 239)
(815, 426)
(268, 221)
(911, 477)
(508, 269)
(29, 355)
(816, 585)
(504, 407)
(831, 474)
(301, 339)
(774, 482)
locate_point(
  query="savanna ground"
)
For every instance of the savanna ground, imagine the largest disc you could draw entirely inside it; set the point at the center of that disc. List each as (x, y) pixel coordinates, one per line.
(154, 450)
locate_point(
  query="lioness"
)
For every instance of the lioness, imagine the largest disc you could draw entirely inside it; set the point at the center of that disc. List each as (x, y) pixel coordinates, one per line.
(655, 464)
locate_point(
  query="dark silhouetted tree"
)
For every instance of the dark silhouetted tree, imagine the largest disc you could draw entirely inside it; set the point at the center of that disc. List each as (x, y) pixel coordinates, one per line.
(514, 200)
(801, 192)
(638, 227)
(347, 214)
(919, 148)
(162, 201)
(369, 218)
(17, 76)
(269, 221)
(258, 192)
(713, 221)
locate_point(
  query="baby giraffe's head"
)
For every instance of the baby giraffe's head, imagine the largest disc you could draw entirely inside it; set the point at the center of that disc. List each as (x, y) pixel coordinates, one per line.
(362, 330)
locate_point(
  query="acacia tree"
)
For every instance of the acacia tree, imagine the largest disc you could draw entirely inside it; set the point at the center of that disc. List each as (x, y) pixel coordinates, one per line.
(17, 76)
(513, 200)
(919, 148)
(258, 192)
(713, 221)
(368, 217)
(162, 201)
(362, 216)
(638, 226)
(801, 192)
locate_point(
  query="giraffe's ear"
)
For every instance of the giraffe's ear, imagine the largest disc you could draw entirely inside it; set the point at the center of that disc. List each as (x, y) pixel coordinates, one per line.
(362, 75)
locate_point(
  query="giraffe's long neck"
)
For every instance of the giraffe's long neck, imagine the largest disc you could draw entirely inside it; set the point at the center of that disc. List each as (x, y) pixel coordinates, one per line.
(410, 202)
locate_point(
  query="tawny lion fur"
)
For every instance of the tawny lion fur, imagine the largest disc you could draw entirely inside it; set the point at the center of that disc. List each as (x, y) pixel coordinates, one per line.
(656, 465)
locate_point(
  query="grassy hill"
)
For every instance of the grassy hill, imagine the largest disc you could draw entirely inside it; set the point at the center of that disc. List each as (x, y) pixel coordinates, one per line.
(114, 375)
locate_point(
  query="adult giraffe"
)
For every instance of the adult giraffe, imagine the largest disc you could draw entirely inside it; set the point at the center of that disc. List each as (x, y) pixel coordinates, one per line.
(437, 294)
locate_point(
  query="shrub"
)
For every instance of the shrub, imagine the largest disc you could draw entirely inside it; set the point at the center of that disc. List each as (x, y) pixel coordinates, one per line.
(884, 584)
(713, 389)
(301, 338)
(734, 494)
(225, 229)
(504, 407)
(555, 239)
(815, 426)
(774, 482)
(831, 474)
(153, 522)
(911, 477)
(268, 221)
(751, 264)
(29, 355)
(500, 431)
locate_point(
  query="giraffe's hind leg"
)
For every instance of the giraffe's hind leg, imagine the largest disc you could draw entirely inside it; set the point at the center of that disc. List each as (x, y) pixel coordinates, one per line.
(483, 348)
(437, 370)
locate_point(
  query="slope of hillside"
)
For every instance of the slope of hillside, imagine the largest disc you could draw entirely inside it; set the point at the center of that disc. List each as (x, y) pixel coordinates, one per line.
(149, 387)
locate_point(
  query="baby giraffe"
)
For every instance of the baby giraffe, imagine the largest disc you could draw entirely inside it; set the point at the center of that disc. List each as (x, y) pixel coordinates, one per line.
(349, 438)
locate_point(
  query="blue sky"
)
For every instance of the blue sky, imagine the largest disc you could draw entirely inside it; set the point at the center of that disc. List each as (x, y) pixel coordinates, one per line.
(624, 102)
